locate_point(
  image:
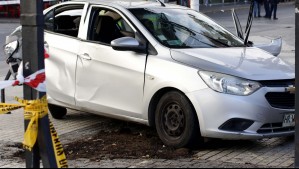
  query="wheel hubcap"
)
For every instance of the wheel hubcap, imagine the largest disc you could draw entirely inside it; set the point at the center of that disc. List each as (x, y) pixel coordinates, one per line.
(174, 120)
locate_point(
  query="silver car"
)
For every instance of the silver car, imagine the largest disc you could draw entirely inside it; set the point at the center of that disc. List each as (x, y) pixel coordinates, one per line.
(165, 66)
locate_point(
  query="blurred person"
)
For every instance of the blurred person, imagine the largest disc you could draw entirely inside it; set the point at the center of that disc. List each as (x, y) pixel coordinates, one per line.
(183, 2)
(206, 2)
(273, 9)
(267, 8)
(257, 8)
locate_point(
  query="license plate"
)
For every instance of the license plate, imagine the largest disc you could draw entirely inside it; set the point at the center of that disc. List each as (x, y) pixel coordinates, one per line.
(289, 120)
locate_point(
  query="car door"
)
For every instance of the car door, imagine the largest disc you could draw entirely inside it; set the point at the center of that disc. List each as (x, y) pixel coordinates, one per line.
(109, 81)
(61, 39)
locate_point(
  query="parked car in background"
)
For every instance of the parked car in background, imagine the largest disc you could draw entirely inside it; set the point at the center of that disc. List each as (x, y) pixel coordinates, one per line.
(165, 66)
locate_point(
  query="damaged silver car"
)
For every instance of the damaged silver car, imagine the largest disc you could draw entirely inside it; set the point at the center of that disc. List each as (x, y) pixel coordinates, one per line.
(168, 67)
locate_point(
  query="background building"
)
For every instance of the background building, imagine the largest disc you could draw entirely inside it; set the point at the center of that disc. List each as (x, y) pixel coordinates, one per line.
(11, 8)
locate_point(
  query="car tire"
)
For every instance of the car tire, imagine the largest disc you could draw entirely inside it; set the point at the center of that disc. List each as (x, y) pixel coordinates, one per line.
(176, 121)
(57, 112)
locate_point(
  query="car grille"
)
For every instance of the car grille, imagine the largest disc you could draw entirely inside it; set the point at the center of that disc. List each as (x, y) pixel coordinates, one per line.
(278, 99)
(274, 128)
(278, 83)
(281, 100)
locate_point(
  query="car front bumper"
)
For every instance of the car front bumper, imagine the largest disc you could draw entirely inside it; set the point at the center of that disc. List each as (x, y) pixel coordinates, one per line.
(215, 110)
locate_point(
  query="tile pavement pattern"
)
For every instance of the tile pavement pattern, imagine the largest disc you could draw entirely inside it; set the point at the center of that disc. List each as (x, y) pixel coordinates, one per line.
(159, 163)
(266, 153)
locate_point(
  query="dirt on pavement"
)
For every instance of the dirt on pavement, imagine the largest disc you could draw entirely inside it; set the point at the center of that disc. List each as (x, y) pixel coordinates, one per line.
(126, 141)
(115, 140)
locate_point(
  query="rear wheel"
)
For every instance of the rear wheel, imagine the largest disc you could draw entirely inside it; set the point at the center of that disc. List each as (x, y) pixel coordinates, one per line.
(176, 121)
(57, 112)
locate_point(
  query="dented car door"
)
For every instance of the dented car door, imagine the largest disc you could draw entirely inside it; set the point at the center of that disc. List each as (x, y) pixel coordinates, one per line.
(61, 32)
(107, 80)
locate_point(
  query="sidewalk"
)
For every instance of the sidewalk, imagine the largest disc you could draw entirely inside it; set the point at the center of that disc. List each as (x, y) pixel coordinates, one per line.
(266, 153)
(9, 20)
(120, 163)
(223, 7)
(229, 6)
(247, 156)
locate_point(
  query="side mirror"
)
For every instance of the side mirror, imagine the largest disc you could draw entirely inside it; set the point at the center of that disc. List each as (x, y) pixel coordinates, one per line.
(127, 44)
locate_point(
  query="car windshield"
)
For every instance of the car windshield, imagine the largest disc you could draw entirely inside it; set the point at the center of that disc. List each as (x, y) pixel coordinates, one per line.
(183, 28)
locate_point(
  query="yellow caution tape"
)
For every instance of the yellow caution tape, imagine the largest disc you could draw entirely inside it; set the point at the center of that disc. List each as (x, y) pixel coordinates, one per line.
(58, 149)
(33, 111)
(5, 108)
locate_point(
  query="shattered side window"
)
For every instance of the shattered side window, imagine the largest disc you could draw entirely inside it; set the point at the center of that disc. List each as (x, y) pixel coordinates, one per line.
(64, 19)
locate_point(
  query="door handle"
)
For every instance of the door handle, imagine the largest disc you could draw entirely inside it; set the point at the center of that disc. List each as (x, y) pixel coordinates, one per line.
(85, 56)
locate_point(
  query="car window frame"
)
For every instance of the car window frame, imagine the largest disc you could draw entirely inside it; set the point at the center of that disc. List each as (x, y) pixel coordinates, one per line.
(126, 14)
(88, 22)
(66, 4)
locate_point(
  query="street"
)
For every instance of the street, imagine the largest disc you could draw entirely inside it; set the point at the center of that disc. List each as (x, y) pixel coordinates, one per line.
(275, 152)
(5, 29)
(265, 29)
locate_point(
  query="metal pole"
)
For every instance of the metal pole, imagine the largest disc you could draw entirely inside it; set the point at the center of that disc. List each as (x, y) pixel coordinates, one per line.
(31, 33)
(32, 21)
(297, 85)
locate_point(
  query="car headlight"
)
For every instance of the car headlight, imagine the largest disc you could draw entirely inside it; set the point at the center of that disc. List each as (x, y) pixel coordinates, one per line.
(10, 48)
(229, 84)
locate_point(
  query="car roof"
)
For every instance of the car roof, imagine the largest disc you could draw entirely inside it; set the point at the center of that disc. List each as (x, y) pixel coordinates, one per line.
(130, 3)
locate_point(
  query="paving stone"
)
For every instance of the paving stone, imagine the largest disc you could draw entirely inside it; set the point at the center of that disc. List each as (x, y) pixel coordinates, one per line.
(287, 163)
(210, 154)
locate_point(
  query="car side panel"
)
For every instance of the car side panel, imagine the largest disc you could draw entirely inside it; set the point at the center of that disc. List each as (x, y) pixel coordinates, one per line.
(111, 80)
(61, 67)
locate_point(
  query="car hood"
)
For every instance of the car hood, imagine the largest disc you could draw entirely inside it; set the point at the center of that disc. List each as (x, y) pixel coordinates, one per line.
(248, 63)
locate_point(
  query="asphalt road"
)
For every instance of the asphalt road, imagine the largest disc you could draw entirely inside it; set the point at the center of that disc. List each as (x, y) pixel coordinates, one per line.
(265, 29)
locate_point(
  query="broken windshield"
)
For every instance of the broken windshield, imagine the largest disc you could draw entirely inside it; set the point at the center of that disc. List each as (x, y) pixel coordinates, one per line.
(182, 28)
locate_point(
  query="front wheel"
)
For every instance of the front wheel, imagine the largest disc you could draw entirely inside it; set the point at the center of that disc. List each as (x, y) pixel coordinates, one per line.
(176, 121)
(57, 112)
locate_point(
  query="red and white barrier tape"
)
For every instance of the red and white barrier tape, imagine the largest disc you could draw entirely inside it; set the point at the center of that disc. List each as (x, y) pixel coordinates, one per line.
(37, 81)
